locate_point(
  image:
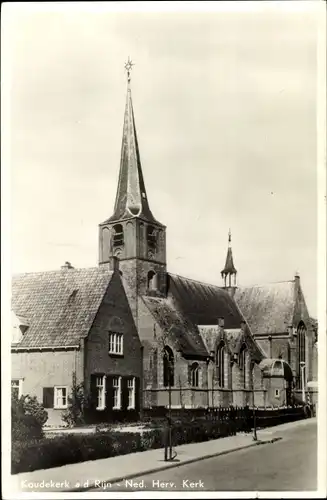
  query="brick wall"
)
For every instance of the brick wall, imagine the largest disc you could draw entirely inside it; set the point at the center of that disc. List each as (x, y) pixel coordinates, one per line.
(47, 369)
(114, 313)
(272, 384)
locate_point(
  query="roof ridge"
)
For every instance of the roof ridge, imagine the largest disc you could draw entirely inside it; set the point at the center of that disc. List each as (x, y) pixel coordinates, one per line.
(53, 271)
(266, 284)
(196, 281)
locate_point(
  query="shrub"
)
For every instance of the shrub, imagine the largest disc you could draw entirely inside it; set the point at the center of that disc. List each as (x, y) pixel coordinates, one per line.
(69, 449)
(27, 418)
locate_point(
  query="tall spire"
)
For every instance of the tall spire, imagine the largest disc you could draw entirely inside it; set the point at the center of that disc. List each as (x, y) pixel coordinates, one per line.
(229, 269)
(131, 197)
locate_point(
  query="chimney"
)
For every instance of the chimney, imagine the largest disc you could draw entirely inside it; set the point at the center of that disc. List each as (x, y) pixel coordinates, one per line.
(221, 322)
(297, 280)
(113, 263)
(67, 265)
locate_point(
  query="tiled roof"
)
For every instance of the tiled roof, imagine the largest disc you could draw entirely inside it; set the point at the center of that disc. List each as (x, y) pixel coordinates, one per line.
(60, 306)
(171, 319)
(268, 309)
(202, 303)
(190, 304)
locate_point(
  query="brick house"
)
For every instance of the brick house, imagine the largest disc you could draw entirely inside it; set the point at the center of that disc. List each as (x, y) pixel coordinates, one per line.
(135, 333)
(76, 321)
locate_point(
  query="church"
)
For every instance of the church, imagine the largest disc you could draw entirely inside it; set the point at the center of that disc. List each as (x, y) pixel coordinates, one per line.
(136, 336)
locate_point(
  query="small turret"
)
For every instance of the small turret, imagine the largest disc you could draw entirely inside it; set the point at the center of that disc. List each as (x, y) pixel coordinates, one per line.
(229, 270)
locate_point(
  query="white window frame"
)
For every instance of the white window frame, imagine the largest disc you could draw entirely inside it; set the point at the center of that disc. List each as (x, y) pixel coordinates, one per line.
(277, 393)
(131, 393)
(116, 384)
(57, 405)
(19, 386)
(100, 384)
(115, 343)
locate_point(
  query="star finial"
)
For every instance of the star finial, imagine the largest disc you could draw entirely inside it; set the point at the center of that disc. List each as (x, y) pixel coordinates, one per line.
(128, 67)
(229, 236)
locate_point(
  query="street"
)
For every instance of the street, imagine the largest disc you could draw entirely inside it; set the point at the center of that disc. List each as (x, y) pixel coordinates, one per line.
(289, 464)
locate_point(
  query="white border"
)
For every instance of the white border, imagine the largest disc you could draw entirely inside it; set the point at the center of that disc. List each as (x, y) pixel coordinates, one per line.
(11, 8)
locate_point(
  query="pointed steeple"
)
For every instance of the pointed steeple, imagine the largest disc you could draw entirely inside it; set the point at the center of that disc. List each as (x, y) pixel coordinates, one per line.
(229, 269)
(131, 197)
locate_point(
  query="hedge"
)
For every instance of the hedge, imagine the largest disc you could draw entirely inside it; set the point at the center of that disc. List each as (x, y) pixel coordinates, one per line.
(63, 450)
(73, 448)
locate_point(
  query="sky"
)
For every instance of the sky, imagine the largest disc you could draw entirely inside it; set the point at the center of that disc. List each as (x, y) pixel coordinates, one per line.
(225, 104)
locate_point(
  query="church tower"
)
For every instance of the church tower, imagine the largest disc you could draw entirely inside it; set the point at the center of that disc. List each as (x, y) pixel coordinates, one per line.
(229, 272)
(132, 234)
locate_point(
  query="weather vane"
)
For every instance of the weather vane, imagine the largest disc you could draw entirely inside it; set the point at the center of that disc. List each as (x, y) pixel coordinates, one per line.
(128, 67)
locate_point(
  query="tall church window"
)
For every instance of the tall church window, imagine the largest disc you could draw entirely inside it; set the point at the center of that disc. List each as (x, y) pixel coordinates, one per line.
(195, 369)
(151, 237)
(118, 235)
(301, 331)
(168, 367)
(242, 363)
(221, 364)
(152, 280)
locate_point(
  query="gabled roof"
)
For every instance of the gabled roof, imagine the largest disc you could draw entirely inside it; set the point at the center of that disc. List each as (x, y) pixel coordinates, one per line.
(202, 303)
(176, 325)
(189, 306)
(268, 309)
(131, 197)
(60, 306)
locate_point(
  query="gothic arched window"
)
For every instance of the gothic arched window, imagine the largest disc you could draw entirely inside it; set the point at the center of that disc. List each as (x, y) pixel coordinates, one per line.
(118, 235)
(152, 280)
(300, 354)
(195, 369)
(242, 363)
(151, 237)
(221, 364)
(168, 367)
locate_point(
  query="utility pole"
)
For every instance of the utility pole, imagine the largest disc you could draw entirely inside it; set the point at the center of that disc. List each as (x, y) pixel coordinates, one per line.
(168, 431)
(255, 437)
(302, 365)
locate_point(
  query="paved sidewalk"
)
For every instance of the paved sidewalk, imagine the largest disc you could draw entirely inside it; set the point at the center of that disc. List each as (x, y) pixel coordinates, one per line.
(85, 475)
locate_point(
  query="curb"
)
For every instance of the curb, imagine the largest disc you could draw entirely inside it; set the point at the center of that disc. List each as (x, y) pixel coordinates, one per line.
(175, 464)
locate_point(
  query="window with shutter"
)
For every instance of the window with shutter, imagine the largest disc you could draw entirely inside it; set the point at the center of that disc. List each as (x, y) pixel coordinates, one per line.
(124, 393)
(93, 392)
(116, 384)
(17, 388)
(48, 397)
(60, 397)
(101, 391)
(131, 393)
(109, 392)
